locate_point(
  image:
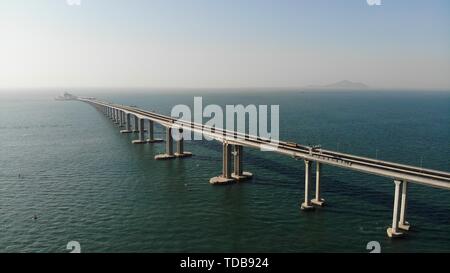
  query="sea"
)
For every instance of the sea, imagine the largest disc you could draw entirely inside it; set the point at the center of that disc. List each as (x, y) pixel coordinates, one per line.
(67, 174)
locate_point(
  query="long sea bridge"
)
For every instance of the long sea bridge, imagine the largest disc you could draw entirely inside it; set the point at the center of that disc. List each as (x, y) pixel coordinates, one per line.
(233, 143)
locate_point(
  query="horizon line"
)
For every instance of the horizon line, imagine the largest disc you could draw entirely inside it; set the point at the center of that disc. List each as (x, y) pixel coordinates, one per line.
(253, 88)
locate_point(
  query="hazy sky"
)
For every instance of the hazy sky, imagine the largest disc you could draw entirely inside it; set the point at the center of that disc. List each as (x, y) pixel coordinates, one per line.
(228, 43)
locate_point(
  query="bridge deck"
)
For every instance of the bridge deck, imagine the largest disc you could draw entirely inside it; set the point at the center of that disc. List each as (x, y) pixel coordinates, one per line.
(428, 177)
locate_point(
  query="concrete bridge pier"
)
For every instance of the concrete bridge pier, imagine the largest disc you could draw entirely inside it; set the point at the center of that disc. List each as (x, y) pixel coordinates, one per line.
(119, 118)
(128, 125)
(151, 133)
(169, 146)
(141, 139)
(393, 231)
(180, 146)
(226, 176)
(238, 173)
(122, 119)
(116, 116)
(136, 125)
(318, 201)
(306, 205)
(111, 114)
(403, 224)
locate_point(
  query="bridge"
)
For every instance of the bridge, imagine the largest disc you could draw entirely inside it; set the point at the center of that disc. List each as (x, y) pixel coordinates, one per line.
(233, 143)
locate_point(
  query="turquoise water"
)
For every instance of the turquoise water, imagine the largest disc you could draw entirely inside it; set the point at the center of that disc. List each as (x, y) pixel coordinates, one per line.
(85, 182)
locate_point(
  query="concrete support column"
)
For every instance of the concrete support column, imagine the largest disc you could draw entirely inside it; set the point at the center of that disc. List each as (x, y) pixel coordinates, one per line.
(141, 139)
(403, 224)
(129, 122)
(226, 164)
(393, 231)
(151, 133)
(318, 200)
(306, 205)
(122, 118)
(141, 130)
(127, 125)
(238, 155)
(226, 176)
(169, 141)
(169, 146)
(136, 124)
(116, 116)
(180, 147)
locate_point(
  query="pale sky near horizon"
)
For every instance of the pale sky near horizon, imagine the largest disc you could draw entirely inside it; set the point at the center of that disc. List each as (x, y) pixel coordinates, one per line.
(224, 43)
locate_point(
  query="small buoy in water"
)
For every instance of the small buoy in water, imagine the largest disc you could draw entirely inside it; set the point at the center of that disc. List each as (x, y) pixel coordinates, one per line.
(35, 217)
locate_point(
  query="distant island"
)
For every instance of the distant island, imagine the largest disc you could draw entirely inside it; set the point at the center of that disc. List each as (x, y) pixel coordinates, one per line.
(342, 85)
(66, 96)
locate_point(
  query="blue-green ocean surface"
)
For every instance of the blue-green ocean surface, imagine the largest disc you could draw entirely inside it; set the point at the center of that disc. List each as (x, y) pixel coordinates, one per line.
(86, 182)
